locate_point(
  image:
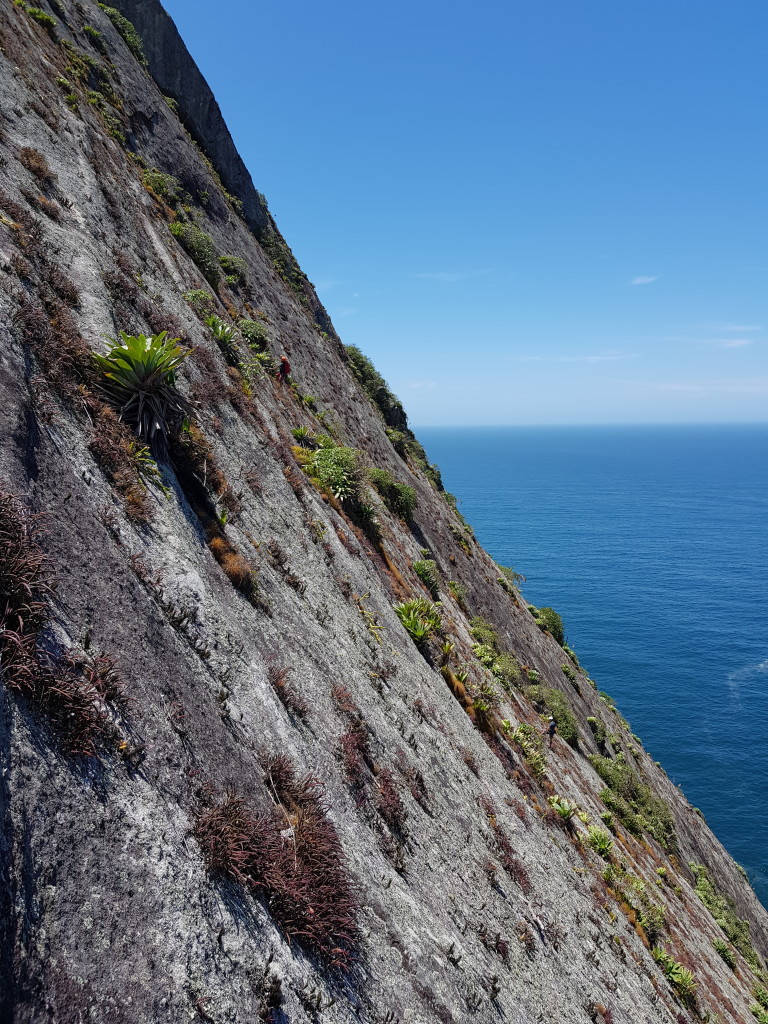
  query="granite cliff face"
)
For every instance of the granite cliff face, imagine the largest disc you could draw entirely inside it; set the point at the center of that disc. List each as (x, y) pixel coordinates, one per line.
(237, 784)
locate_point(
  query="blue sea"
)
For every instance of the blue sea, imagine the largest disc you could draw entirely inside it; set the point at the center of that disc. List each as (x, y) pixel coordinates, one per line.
(652, 543)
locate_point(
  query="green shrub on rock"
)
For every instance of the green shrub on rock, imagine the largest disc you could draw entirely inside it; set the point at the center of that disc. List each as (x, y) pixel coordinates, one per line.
(255, 333)
(234, 269)
(338, 470)
(548, 619)
(427, 571)
(130, 36)
(201, 249)
(399, 498)
(633, 802)
(376, 388)
(168, 188)
(553, 702)
(722, 908)
(600, 841)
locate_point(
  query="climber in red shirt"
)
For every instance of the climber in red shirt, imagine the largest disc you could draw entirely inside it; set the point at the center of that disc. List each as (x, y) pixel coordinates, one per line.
(284, 370)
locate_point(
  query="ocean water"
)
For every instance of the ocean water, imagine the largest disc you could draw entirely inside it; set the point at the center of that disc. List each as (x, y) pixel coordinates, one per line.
(652, 543)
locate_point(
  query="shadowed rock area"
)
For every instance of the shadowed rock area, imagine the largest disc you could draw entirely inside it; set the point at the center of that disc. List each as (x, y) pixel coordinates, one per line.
(272, 732)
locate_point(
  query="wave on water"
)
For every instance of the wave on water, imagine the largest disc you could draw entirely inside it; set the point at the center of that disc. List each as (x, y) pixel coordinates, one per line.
(737, 677)
(742, 678)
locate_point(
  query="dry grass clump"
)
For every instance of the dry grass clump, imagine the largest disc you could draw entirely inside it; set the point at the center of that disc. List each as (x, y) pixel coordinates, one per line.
(238, 570)
(209, 389)
(389, 804)
(192, 450)
(112, 445)
(36, 164)
(42, 203)
(71, 694)
(53, 336)
(63, 287)
(413, 779)
(511, 863)
(354, 744)
(287, 695)
(290, 856)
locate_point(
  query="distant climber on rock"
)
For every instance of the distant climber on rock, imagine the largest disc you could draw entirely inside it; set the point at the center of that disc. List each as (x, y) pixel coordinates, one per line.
(284, 370)
(551, 728)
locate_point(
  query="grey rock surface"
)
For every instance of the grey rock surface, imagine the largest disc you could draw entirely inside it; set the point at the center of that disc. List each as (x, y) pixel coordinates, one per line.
(475, 904)
(178, 76)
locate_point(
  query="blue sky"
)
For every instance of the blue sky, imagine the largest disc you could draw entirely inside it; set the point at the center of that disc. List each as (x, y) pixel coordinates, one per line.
(522, 212)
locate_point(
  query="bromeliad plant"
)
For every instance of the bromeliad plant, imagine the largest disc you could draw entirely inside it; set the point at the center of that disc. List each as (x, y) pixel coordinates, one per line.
(600, 841)
(679, 977)
(140, 374)
(420, 618)
(225, 335)
(565, 809)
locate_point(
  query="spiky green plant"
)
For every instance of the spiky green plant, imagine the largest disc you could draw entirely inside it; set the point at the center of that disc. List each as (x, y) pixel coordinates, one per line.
(532, 745)
(427, 571)
(600, 841)
(147, 467)
(225, 335)
(139, 378)
(565, 809)
(420, 618)
(304, 437)
(725, 951)
(679, 977)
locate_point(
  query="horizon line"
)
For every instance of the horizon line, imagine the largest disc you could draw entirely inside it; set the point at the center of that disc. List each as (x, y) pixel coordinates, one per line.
(634, 423)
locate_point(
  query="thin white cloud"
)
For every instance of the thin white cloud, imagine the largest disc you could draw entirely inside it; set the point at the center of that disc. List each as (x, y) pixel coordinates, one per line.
(715, 342)
(644, 280)
(422, 385)
(608, 357)
(740, 328)
(452, 276)
(756, 388)
(326, 286)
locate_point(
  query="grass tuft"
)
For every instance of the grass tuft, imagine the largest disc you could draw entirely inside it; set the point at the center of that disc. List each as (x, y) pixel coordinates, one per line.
(291, 856)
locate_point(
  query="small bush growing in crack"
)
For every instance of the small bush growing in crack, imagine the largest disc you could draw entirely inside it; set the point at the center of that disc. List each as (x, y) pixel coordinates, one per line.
(399, 498)
(354, 743)
(200, 248)
(36, 164)
(288, 697)
(238, 570)
(427, 571)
